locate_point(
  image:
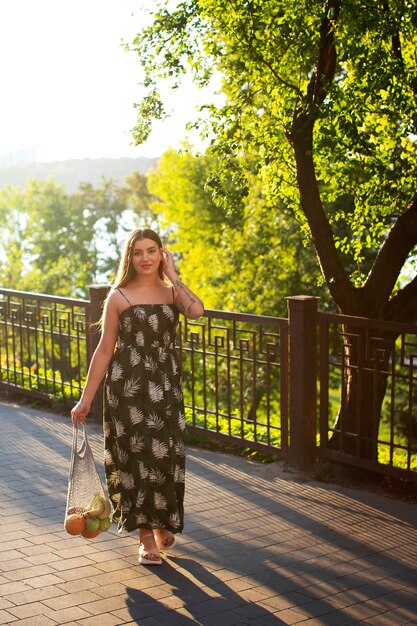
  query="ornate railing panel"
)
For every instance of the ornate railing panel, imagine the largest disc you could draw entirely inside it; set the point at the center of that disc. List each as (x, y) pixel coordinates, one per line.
(44, 344)
(368, 393)
(235, 377)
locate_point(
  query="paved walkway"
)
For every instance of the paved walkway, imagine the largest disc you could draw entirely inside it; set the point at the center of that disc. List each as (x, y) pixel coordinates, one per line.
(261, 547)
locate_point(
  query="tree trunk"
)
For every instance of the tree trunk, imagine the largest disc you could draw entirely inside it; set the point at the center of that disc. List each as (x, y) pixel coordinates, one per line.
(365, 360)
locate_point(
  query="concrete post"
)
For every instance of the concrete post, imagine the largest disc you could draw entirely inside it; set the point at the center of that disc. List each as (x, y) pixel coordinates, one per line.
(303, 380)
(98, 294)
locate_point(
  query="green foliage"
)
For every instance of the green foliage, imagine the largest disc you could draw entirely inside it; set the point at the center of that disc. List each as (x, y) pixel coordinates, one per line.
(246, 261)
(59, 243)
(339, 76)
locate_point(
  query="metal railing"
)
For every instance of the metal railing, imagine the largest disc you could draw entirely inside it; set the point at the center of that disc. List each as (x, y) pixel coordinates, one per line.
(239, 382)
(368, 393)
(235, 377)
(45, 346)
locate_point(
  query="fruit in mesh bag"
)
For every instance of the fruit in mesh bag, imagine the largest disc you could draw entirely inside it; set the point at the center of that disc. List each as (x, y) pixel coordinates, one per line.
(92, 528)
(104, 524)
(75, 524)
(98, 507)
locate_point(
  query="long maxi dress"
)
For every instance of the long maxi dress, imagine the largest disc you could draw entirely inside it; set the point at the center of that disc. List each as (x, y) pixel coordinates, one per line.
(144, 421)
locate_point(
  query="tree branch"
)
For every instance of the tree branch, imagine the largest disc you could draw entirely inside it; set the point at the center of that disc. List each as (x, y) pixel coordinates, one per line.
(400, 241)
(403, 305)
(301, 138)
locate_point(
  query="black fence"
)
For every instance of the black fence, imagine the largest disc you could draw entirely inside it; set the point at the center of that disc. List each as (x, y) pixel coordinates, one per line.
(313, 385)
(45, 346)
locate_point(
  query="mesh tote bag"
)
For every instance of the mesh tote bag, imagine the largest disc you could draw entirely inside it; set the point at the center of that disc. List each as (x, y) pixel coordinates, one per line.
(88, 510)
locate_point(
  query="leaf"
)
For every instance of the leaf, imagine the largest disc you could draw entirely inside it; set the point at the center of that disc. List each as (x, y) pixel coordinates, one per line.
(127, 480)
(179, 474)
(120, 429)
(140, 313)
(123, 457)
(112, 399)
(136, 415)
(154, 422)
(140, 338)
(131, 387)
(141, 519)
(134, 357)
(143, 470)
(153, 322)
(174, 520)
(116, 371)
(168, 312)
(159, 449)
(114, 479)
(181, 421)
(136, 443)
(156, 393)
(160, 501)
(156, 476)
(180, 448)
(150, 364)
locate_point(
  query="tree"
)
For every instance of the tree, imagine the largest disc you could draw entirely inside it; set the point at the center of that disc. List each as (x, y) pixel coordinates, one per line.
(322, 95)
(246, 261)
(59, 243)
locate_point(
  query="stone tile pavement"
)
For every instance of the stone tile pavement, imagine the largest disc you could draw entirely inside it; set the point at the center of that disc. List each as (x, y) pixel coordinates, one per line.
(261, 547)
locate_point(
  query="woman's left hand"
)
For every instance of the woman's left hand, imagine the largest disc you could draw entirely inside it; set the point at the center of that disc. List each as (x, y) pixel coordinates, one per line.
(168, 261)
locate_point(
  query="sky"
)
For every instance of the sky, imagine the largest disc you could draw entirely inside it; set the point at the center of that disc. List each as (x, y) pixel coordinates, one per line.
(68, 86)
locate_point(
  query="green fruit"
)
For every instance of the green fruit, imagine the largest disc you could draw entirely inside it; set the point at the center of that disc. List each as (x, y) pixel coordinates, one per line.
(92, 525)
(104, 524)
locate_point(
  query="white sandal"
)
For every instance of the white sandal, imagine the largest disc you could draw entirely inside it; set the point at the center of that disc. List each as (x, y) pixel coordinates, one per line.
(164, 539)
(145, 553)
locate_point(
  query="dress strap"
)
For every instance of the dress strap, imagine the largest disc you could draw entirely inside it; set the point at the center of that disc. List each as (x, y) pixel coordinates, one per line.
(173, 295)
(120, 291)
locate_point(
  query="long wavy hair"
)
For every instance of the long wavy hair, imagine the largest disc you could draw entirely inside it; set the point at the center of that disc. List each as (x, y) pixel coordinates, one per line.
(126, 271)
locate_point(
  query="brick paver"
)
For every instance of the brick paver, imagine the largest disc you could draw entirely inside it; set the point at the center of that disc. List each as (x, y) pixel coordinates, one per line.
(261, 547)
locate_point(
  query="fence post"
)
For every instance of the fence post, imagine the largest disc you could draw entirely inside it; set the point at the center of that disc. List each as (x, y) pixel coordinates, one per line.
(97, 296)
(302, 380)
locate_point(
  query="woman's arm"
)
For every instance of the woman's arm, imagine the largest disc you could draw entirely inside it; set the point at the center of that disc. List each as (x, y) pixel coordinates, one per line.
(187, 302)
(99, 362)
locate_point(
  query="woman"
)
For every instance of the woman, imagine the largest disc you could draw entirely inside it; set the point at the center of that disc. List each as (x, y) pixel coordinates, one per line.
(144, 417)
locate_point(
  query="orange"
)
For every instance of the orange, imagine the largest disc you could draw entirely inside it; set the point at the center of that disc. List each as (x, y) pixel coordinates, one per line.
(75, 524)
(88, 535)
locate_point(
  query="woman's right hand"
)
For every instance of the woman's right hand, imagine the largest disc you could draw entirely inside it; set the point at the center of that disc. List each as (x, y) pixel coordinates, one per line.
(80, 412)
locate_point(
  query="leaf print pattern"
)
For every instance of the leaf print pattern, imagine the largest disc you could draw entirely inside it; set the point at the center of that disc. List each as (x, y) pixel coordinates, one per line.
(159, 449)
(156, 393)
(156, 476)
(153, 321)
(120, 429)
(117, 371)
(136, 443)
(140, 498)
(134, 357)
(112, 399)
(150, 364)
(144, 421)
(154, 422)
(136, 415)
(159, 500)
(127, 480)
(166, 310)
(131, 387)
(140, 313)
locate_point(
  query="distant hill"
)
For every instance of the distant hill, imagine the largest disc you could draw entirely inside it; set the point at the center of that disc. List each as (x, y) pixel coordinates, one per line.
(75, 171)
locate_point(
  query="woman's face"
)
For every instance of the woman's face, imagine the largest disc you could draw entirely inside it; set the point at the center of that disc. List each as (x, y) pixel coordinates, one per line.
(146, 256)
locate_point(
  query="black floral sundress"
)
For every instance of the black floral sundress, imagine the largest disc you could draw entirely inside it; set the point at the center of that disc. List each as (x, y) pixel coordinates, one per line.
(144, 421)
